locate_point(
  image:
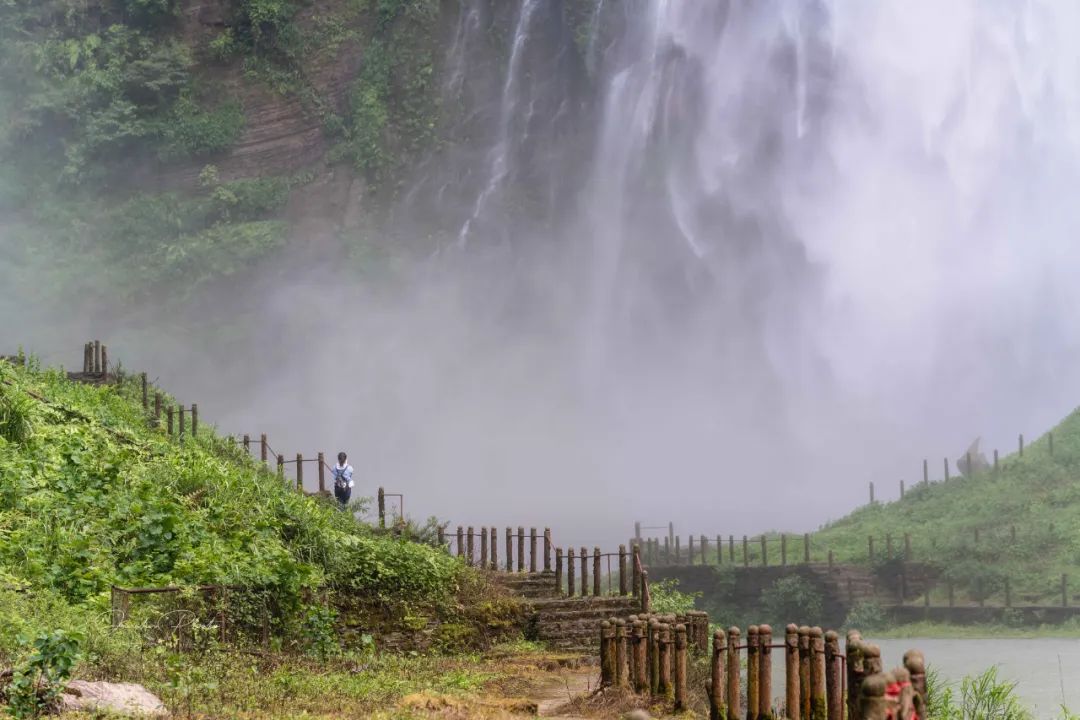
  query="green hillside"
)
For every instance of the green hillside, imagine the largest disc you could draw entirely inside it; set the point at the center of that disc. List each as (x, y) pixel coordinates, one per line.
(965, 525)
(91, 496)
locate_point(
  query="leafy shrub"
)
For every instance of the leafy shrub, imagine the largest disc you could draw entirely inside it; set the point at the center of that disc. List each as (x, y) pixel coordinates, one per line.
(792, 599)
(866, 615)
(39, 680)
(982, 697)
(191, 131)
(667, 598)
(15, 424)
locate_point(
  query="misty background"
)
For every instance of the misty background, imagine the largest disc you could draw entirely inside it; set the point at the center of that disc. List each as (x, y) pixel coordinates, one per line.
(715, 263)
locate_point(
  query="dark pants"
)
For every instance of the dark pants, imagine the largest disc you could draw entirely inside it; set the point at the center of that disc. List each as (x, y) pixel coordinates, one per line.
(342, 494)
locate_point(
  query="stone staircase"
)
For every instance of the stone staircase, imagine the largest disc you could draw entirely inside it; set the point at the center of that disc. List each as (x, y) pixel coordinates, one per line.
(565, 623)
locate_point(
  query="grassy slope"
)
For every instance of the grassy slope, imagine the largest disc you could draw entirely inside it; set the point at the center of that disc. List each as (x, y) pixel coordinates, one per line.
(1038, 493)
(90, 497)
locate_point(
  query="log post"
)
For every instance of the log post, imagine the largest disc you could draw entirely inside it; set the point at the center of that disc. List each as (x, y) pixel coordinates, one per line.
(570, 572)
(925, 472)
(653, 647)
(470, 555)
(946, 464)
(719, 550)
(547, 549)
(667, 551)
(717, 709)
(299, 472)
(818, 708)
(558, 570)
(382, 516)
(442, 537)
(678, 551)
(804, 672)
(321, 460)
(646, 596)
(510, 550)
(745, 552)
(247, 445)
(704, 550)
(792, 695)
(182, 411)
(622, 670)
(680, 667)
(596, 571)
(169, 419)
(765, 673)
(666, 689)
(690, 550)
(145, 393)
(532, 550)
(264, 448)
(97, 357)
(834, 703)
(872, 703)
(493, 543)
(157, 413)
(734, 704)
(856, 670)
(916, 667)
(753, 672)
(521, 549)
(623, 590)
(584, 572)
(483, 548)
(194, 420)
(635, 567)
(281, 466)
(607, 664)
(731, 548)
(764, 552)
(460, 542)
(901, 489)
(641, 669)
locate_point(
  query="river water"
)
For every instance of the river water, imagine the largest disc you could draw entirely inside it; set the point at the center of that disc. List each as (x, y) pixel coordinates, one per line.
(1032, 663)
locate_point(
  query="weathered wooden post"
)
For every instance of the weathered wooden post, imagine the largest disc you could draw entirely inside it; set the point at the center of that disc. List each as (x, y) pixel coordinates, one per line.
(704, 550)
(871, 658)
(804, 672)
(764, 552)
(834, 703)
(680, 668)
(584, 572)
(121, 603)
(678, 552)
(653, 648)
(946, 463)
(183, 422)
(157, 410)
(483, 548)
(607, 662)
(442, 537)
(264, 448)
(97, 357)
(792, 695)
(1020, 445)
(753, 672)
(806, 548)
(493, 544)
(281, 466)
(299, 472)
(745, 551)
(666, 689)
(717, 709)
(901, 489)
(690, 550)
(470, 539)
(916, 667)
(547, 549)
(321, 460)
(817, 674)
(925, 472)
(382, 517)
(194, 420)
(622, 668)
(86, 358)
(783, 549)
(635, 567)
(247, 444)
(734, 701)
(169, 419)
(510, 550)
(596, 571)
(558, 570)
(570, 572)
(872, 703)
(667, 552)
(521, 549)
(623, 590)
(460, 542)
(532, 550)
(856, 670)
(145, 393)
(731, 548)
(104, 363)
(639, 664)
(765, 672)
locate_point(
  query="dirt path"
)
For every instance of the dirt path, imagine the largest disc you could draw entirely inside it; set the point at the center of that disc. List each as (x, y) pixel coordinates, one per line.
(568, 684)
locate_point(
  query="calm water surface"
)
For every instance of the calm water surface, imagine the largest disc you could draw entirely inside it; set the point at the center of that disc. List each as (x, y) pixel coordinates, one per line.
(1033, 664)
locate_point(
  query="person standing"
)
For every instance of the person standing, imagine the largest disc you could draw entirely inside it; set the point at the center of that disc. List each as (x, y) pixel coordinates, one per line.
(343, 479)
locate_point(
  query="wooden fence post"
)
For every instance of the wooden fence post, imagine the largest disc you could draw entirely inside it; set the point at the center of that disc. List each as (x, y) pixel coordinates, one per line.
(833, 700)
(806, 548)
(97, 357)
(907, 547)
(666, 689)
(804, 672)
(870, 546)
(734, 703)
(183, 422)
(299, 472)
(946, 461)
(678, 551)
(817, 674)
(584, 572)
(281, 466)
(764, 552)
(622, 669)
(442, 537)
(493, 545)
(635, 568)
(1021, 444)
(607, 664)
(264, 449)
(745, 552)
(765, 672)
(753, 673)
(596, 571)
(104, 363)
(558, 569)
(157, 409)
(667, 551)
(521, 549)
(623, 590)
(792, 695)
(717, 710)
(680, 667)
(532, 550)
(194, 420)
(570, 572)
(690, 550)
(995, 460)
(719, 550)
(901, 489)
(483, 548)
(547, 549)
(641, 670)
(916, 667)
(704, 550)
(169, 419)
(382, 515)
(145, 393)
(925, 472)
(470, 544)
(460, 542)
(855, 672)
(322, 473)
(247, 445)
(731, 549)
(653, 649)
(1008, 594)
